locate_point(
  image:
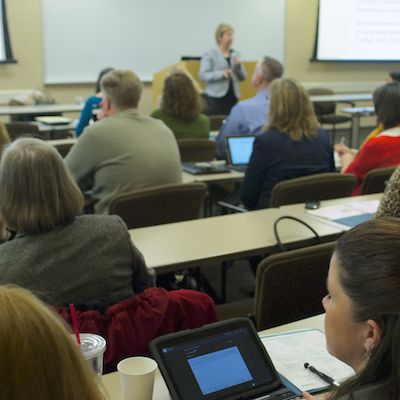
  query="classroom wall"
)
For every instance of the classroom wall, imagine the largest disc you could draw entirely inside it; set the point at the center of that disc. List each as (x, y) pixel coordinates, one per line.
(24, 19)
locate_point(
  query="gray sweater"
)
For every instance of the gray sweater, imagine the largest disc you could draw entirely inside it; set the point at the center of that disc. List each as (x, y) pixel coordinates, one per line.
(89, 261)
(124, 152)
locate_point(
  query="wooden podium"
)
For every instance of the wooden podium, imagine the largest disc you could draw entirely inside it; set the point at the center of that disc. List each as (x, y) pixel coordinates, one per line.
(191, 68)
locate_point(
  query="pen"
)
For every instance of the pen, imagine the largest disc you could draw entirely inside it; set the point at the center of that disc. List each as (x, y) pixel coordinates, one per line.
(324, 377)
(343, 140)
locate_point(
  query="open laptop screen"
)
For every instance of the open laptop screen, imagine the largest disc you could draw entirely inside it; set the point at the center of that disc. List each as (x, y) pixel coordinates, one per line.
(215, 363)
(239, 149)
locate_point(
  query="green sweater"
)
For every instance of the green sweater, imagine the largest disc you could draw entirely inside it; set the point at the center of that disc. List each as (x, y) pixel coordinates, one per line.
(197, 129)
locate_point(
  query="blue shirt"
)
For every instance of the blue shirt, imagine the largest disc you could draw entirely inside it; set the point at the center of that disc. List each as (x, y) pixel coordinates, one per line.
(246, 118)
(92, 103)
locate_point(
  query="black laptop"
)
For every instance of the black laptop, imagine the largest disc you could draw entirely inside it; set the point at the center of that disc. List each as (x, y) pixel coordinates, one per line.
(221, 361)
(238, 150)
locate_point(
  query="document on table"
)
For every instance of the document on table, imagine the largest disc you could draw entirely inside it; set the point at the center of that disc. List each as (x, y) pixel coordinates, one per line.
(289, 351)
(350, 214)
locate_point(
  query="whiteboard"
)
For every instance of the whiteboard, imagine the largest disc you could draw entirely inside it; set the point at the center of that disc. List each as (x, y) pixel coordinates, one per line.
(81, 37)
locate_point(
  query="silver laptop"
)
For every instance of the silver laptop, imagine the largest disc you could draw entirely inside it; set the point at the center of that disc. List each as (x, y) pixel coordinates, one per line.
(238, 150)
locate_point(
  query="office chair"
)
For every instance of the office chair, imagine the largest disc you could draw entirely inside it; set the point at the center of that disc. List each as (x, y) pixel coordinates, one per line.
(216, 121)
(324, 186)
(326, 111)
(197, 150)
(17, 129)
(159, 204)
(376, 179)
(291, 285)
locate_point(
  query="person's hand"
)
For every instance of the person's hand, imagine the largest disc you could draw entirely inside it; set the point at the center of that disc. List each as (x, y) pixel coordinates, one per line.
(342, 149)
(236, 60)
(227, 73)
(308, 396)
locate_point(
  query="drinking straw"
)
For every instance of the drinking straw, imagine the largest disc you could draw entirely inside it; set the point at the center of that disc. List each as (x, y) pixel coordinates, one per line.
(75, 323)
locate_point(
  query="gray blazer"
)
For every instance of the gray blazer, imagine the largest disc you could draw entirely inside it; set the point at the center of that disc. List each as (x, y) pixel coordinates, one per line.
(213, 64)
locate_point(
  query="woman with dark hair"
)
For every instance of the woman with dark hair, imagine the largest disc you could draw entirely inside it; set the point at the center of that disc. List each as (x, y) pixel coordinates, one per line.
(362, 310)
(292, 145)
(91, 103)
(181, 108)
(382, 147)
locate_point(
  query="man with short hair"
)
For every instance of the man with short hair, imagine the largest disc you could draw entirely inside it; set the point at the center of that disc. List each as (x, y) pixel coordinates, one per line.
(125, 150)
(249, 116)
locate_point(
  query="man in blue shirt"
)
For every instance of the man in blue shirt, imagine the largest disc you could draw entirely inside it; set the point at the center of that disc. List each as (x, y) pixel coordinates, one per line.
(249, 116)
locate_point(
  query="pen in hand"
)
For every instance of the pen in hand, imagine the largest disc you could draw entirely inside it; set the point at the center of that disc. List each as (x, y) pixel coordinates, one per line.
(324, 377)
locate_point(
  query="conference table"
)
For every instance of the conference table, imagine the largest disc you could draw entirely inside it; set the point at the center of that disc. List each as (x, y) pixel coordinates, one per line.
(178, 245)
(40, 109)
(111, 383)
(197, 242)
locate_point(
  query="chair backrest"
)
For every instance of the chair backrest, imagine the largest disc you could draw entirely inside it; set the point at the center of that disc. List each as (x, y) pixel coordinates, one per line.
(322, 108)
(195, 150)
(216, 121)
(63, 149)
(375, 180)
(291, 285)
(159, 204)
(17, 129)
(324, 186)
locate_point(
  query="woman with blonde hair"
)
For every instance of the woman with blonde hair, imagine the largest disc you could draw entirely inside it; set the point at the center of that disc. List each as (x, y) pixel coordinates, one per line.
(61, 256)
(181, 108)
(222, 69)
(39, 359)
(292, 145)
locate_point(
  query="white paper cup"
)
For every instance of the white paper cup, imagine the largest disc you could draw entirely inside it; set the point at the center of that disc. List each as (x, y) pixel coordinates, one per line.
(136, 376)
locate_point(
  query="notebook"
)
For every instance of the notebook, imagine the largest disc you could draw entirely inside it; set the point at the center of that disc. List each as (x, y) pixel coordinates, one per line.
(221, 361)
(54, 120)
(238, 150)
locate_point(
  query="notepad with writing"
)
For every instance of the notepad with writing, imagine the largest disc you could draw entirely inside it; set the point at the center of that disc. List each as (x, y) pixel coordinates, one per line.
(349, 214)
(289, 351)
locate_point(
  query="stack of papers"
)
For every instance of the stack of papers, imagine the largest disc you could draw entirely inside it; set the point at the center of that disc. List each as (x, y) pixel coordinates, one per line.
(349, 214)
(289, 352)
(54, 120)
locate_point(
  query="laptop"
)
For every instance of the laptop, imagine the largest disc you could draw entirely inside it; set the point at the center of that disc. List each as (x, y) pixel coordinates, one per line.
(238, 150)
(221, 361)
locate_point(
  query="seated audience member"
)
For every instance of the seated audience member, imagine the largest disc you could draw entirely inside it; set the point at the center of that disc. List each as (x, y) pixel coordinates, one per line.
(362, 321)
(91, 103)
(382, 148)
(125, 150)
(60, 256)
(390, 203)
(249, 116)
(393, 76)
(292, 145)
(39, 359)
(181, 107)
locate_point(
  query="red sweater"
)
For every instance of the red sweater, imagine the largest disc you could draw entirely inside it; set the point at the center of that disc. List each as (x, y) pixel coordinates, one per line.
(378, 152)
